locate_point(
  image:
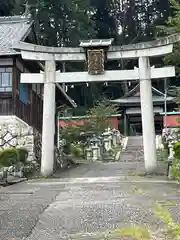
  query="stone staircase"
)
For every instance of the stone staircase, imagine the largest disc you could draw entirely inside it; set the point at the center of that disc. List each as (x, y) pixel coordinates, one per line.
(134, 151)
(132, 159)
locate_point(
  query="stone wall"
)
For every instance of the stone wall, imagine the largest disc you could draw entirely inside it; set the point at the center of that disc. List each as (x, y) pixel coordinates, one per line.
(16, 133)
(37, 144)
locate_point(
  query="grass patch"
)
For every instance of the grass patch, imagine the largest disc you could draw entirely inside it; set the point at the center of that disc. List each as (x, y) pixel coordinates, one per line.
(139, 191)
(173, 228)
(136, 233)
(168, 204)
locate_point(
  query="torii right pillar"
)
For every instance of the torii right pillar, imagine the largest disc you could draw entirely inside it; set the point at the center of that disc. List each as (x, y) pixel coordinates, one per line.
(147, 115)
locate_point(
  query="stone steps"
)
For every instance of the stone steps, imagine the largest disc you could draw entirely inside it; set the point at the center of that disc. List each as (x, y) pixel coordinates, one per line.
(134, 150)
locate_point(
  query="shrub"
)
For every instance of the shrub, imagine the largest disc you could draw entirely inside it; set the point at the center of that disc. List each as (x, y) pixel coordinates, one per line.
(176, 169)
(76, 151)
(173, 227)
(177, 150)
(8, 157)
(23, 154)
(162, 154)
(12, 156)
(67, 148)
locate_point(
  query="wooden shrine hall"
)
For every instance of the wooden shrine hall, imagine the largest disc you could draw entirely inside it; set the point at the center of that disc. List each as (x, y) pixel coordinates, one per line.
(131, 109)
(25, 101)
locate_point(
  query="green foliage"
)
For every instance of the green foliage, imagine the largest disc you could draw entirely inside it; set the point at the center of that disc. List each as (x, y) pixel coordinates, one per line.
(136, 233)
(173, 228)
(67, 148)
(63, 22)
(23, 154)
(177, 150)
(173, 26)
(71, 134)
(6, 7)
(176, 169)
(12, 156)
(77, 151)
(8, 157)
(162, 154)
(95, 124)
(99, 113)
(177, 98)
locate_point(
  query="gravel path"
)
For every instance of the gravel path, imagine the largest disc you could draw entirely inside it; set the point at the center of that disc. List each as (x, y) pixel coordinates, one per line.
(85, 203)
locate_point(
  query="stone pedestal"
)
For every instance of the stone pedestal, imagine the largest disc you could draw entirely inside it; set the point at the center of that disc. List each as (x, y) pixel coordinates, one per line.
(171, 152)
(114, 138)
(89, 154)
(95, 153)
(118, 135)
(107, 140)
(158, 142)
(106, 144)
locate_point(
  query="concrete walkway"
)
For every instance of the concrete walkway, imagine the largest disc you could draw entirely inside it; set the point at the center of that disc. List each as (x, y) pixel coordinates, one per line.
(85, 203)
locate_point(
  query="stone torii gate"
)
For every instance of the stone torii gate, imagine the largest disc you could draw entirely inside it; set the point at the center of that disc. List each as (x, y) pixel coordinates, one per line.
(97, 52)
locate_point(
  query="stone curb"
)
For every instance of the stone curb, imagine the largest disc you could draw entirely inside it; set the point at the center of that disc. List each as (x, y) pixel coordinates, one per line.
(11, 182)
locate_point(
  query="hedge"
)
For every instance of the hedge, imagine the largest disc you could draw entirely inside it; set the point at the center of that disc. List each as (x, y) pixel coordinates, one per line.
(12, 156)
(177, 150)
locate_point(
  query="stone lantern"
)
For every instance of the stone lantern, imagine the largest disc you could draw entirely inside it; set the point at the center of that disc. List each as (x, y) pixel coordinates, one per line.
(89, 154)
(101, 146)
(107, 140)
(94, 140)
(95, 153)
(114, 137)
(95, 146)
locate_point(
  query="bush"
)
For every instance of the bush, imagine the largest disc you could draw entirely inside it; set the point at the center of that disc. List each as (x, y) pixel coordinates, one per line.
(162, 154)
(67, 148)
(77, 151)
(8, 157)
(12, 156)
(23, 154)
(177, 150)
(176, 169)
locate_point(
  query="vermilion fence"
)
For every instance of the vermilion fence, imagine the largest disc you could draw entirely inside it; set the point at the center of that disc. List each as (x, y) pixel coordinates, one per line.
(79, 121)
(172, 121)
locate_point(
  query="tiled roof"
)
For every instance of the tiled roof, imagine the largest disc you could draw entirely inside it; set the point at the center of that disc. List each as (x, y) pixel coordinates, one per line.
(12, 30)
(157, 99)
(136, 92)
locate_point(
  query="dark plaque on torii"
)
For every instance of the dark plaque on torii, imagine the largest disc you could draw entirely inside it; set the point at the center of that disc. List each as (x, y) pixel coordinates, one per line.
(96, 61)
(96, 50)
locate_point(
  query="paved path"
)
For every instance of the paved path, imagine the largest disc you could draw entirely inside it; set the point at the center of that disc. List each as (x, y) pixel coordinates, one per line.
(84, 203)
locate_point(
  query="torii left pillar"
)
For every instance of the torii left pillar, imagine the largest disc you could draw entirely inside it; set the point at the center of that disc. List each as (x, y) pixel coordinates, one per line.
(48, 131)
